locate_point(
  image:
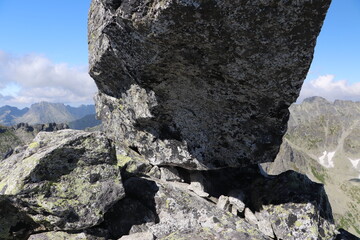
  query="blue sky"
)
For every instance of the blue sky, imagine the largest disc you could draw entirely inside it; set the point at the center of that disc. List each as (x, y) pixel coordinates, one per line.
(43, 53)
(56, 29)
(335, 70)
(338, 48)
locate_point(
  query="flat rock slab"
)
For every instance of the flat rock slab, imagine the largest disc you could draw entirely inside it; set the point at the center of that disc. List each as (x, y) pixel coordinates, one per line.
(59, 236)
(137, 236)
(63, 180)
(201, 84)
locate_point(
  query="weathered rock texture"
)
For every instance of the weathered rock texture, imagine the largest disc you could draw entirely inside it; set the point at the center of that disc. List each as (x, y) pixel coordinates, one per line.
(201, 84)
(63, 181)
(169, 211)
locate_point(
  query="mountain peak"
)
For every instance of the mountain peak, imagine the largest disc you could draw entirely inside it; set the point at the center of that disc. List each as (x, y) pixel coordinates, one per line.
(315, 99)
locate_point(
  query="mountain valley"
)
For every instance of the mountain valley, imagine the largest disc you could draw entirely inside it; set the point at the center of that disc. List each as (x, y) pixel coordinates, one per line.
(323, 142)
(45, 112)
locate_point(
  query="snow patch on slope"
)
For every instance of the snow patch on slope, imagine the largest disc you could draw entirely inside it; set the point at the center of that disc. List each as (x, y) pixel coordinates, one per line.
(355, 162)
(326, 159)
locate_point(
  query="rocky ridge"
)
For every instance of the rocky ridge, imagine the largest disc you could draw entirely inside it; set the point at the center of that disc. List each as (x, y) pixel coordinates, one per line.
(46, 112)
(43, 113)
(8, 114)
(178, 156)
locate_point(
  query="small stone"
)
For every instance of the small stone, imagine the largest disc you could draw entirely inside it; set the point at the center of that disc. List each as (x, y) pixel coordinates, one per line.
(170, 174)
(250, 216)
(266, 228)
(155, 172)
(59, 236)
(197, 184)
(237, 204)
(138, 236)
(223, 203)
(196, 188)
(234, 210)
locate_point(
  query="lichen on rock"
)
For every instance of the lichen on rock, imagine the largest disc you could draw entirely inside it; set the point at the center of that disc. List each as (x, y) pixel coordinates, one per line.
(68, 183)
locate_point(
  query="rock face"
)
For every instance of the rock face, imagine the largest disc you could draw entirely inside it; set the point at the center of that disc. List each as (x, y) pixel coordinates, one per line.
(63, 181)
(201, 84)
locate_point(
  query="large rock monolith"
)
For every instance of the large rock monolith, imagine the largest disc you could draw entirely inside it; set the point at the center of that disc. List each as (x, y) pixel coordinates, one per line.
(201, 84)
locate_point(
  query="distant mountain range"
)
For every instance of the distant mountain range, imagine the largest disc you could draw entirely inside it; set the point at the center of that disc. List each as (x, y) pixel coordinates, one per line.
(44, 112)
(323, 142)
(8, 114)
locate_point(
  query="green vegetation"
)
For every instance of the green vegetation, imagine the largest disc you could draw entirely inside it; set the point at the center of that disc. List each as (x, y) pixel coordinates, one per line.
(321, 176)
(334, 129)
(352, 191)
(348, 221)
(322, 120)
(312, 142)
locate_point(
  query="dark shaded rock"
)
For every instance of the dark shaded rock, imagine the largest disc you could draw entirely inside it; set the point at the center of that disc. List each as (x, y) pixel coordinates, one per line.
(201, 84)
(345, 235)
(13, 223)
(169, 210)
(125, 214)
(295, 207)
(288, 206)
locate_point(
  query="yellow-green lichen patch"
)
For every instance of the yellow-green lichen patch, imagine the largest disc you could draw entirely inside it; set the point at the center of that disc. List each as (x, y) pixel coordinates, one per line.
(298, 224)
(174, 236)
(73, 180)
(131, 167)
(15, 180)
(34, 145)
(122, 160)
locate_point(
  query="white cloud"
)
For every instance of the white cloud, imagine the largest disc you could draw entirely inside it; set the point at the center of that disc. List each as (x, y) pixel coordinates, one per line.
(326, 86)
(36, 78)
